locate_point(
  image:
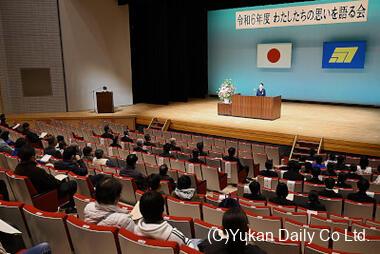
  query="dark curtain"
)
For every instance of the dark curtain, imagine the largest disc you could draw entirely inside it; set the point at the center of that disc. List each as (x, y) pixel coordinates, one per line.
(169, 50)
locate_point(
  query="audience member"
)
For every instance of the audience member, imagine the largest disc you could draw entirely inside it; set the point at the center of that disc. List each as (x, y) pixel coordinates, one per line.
(308, 167)
(329, 192)
(152, 225)
(173, 145)
(293, 173)
(234, 221)
(184, 191)
(315, 172)
(340, 163)
(4, 147)
(229, 203)
(311, 156)
(363, 167)
(20, 142)
(3, 121)
(148, 140)
(313, 202)
(330, 169)
(166, 151)
(115, 142)
(353, 173)
(341, 183)
(140, 146)
(231, 157)
(131, 171)
(195, 157)
(87, 153)
(163, 172)
(100, 160)
(282, 192)
(107, 132)
(61, 143)
(42, 181)
(30, 136)
(104, 211)
(319, 163)
(200, 147)
(4, 191)
(154, 183)
(331, 159)
(255, 194)
(51, 148)
(5, 136)
(71, 161)
(361, 195)
(268, 172)
(126, 137)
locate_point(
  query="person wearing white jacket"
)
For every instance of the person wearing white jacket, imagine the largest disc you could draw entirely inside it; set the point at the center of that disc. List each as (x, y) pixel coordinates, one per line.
(105, 212)
(152, 225)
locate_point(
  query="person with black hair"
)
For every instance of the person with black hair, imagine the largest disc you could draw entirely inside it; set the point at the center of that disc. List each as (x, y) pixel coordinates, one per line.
(341, 183)
(30, 136)
(71, 161)
(42, 181)
(377, 180)
(340, 163)
(115, 142)
(234, 222)
(140, 146)
(5, 136)
(293, 173)
(100, 160)
(126, 137)
(319, 162)
(148, 140)
(20, 142)
(130, 171)
(315, 172)
(166, 151)
(4, 147)
(173, 145)
(361, 195)
(255, 194)
(153, 225)
(282, 192)
(329, 192)
(51, 148)
(313, 202)
(200, 147)
(184, 191)
(311, 156)
(268, 172)
(308, 167)
(231, 157)
(154, 183)
(363, 167)
(3, 121)
(107, 132)
(228, 203)
(195, 157)
(87, 153)
(105, 211)
(353, 173)
(330, 170)
(163, 173)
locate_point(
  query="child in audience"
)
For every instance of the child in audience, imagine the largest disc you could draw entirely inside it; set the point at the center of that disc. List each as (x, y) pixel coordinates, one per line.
(234, 221)
(104, 211)
(152, 225)
(268, 172)
(282, 192)
(255, 194)
(361, 195)
(183, 191)
(313, 202)
(329, 192)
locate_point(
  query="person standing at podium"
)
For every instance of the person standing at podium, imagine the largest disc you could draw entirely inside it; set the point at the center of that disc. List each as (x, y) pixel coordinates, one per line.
(261, 90)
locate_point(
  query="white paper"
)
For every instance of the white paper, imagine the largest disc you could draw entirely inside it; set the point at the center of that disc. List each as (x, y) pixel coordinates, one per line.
(267, 182)
(135, 213)
(228, 169)
(371, 194)
(16, 126)
(290, 197)
(291, 185)
(110, 151)
(246, 189)
(160, 161)
(190, 168)
(8, 229)
(89, 144)
(102, 141)
(43, 134)
(60, 177)
(45, 158)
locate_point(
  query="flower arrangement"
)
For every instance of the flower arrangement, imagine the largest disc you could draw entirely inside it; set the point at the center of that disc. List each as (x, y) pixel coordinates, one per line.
(226, 90)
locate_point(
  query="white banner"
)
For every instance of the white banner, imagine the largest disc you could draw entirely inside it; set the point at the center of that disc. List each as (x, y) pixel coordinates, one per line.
(317, 14)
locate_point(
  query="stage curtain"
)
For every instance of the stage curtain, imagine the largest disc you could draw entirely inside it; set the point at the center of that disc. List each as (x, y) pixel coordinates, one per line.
(169, 50)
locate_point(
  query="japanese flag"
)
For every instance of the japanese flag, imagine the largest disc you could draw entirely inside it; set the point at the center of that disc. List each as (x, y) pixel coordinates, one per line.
(276, 55)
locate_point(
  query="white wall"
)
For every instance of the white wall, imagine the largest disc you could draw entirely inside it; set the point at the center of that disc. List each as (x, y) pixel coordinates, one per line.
(96, 50)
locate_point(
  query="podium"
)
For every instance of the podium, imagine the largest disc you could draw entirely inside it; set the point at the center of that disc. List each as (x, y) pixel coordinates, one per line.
(258, 107)
(104, 102)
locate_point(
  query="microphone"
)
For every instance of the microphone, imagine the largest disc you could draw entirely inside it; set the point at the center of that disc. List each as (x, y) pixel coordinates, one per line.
(104, 88)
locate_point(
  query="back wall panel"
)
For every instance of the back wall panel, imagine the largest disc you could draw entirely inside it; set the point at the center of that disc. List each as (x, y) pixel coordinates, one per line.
(232, 54)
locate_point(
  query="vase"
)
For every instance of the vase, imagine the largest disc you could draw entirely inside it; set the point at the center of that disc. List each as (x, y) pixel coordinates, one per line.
(226, 101)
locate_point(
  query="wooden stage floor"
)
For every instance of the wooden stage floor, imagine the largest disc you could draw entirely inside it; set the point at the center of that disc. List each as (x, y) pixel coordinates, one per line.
(344, 128)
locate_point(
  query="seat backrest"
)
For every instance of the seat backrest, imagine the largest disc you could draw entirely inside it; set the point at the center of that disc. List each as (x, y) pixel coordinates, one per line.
(181, 208)
(210, 174)
(213, 214)
(20, 188)
(279, 246)
(140, 166)
(377, 214)
(48, 227)
(358, 210)
(231, 169)
(260, 158)
(369, 230)
(333, 205)
(149, 158)
(345, 242)
(194, 168)
(296, 216)
(213, 162)
(4, 177)
(129, 188)
(12, 162)
(187, 250)
(373, 222)
(202, 228)
(11, 213)
(177, 164)
(264, 223)
(257, 148)
(87, 238)
(267, 182)
(332, 223)
(307, 187)
(131, 243)
(293, 186)
(258, 210)
(273, 153)
(183, 224)
(316, 249)
(80, 203)
(165, 187)
(84, 185)
(151, 169)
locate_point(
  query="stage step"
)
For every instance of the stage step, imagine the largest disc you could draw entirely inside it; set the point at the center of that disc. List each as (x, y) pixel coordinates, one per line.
(301, 148)
(156, 124)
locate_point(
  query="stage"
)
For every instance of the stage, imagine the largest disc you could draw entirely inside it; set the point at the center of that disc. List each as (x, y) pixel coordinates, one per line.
(344, 128)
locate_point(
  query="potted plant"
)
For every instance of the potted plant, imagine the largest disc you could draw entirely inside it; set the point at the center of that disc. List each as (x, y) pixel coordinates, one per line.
(226, 90)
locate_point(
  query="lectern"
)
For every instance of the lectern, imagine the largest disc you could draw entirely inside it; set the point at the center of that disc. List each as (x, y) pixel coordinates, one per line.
(260, 107)
(104, 101)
